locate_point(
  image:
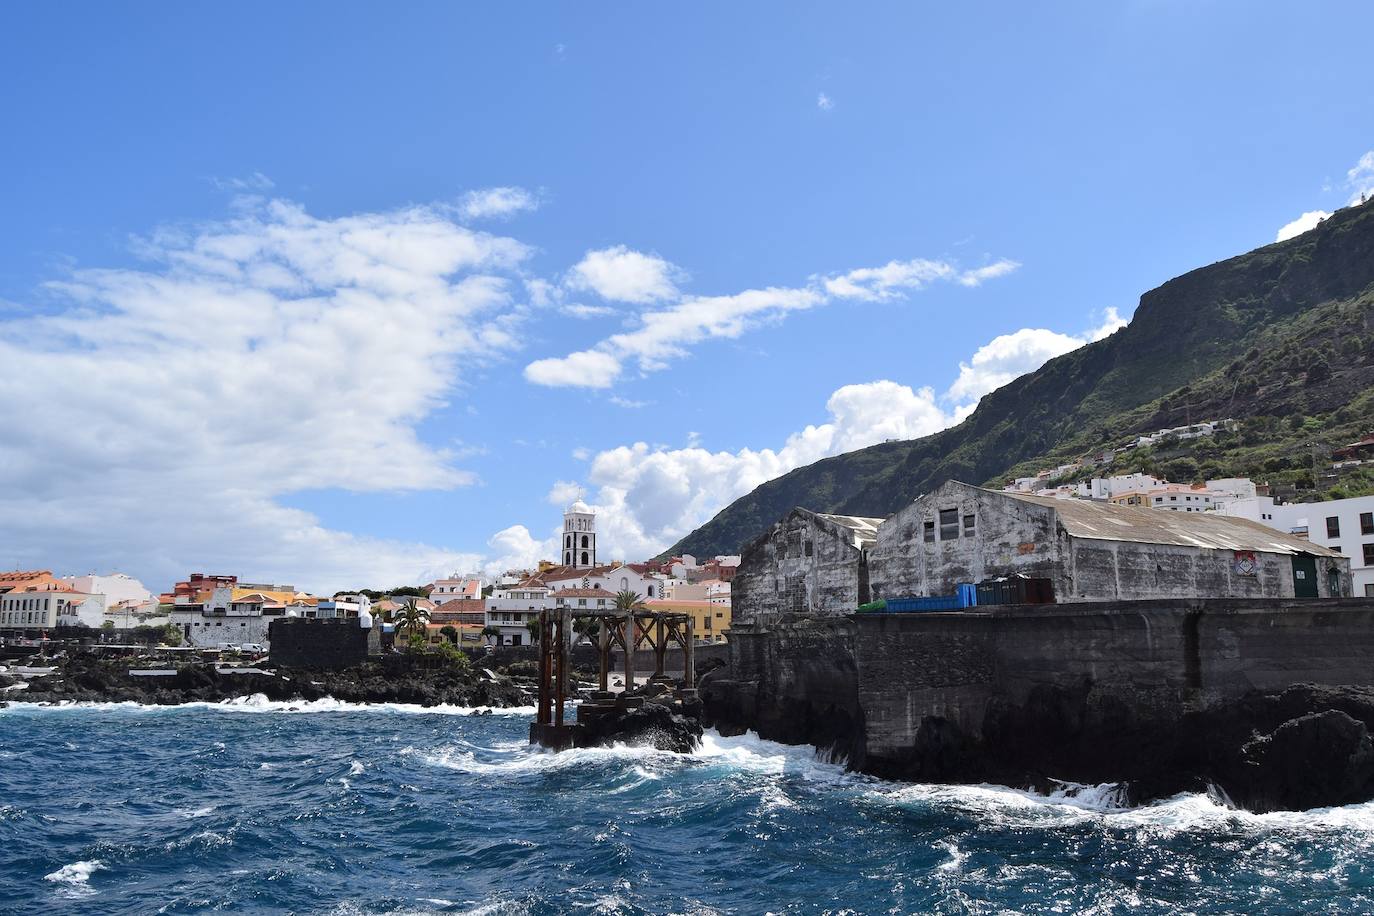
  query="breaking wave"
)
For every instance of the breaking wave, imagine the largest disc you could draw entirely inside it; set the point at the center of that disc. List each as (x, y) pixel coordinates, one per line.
(395, 809)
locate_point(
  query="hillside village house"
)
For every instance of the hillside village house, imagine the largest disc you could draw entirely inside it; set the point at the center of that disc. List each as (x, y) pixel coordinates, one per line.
(806, 563)
(48, 608)
(510, 608)
(218, 611)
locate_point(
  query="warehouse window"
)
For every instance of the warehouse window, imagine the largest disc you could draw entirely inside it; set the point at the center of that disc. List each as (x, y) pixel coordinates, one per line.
(1333, 526)
(968, 526)
(1369, 554)
(1367, 523)
(930, 533)
(949, 524)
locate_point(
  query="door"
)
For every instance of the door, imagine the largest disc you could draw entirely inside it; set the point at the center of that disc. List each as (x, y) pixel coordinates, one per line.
(1304, 576)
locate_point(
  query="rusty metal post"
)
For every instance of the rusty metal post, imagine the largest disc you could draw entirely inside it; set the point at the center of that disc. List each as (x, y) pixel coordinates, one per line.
(630, 642)
(561, 688)
(660, 645)
(603, 645)
(543, 715)
(689, 657)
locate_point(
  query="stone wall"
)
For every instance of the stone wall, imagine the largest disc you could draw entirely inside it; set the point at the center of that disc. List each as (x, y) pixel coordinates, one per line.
(324, 644)
(804, 564)
(1091, 692)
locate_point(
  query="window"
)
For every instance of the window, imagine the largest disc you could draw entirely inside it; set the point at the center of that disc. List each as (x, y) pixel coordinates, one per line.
(1333, 526)
(1367, 523)
(810, 548)
(968, 526)
(949, 524)
(930, 533)
(1369, 591)
(1369, 554)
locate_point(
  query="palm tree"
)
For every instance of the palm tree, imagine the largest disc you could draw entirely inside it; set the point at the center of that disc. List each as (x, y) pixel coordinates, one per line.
(412, 620)
(491, 632)
(629, 601)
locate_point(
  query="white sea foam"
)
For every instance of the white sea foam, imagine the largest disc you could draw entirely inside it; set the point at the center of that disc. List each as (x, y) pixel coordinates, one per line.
(75, 878)
(259, 703)
(356, 768)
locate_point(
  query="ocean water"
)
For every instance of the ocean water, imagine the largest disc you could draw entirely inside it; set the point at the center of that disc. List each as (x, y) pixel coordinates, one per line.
(326, 808)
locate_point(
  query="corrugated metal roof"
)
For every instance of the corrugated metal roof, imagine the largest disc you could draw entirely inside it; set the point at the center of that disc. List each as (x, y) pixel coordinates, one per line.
(865, 529)
(1083, 518)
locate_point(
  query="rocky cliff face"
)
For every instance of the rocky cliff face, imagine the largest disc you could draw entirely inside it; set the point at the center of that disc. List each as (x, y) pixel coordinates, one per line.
(1162, 700)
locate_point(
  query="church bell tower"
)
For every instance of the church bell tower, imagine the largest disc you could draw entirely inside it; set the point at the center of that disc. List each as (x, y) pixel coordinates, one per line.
(579, 536)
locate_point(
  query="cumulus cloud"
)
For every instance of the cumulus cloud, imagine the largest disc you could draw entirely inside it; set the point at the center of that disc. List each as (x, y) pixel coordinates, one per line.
(649, 496)
(621, 274)
(586, 369)
(1010, 356)
(500, 203)
(1304, 223)
(564, 492)
(668, 333)
(1360, 178)
(168, 408)
(1359, 181)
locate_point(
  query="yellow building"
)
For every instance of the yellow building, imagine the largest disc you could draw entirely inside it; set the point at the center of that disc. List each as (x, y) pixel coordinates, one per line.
(710, 622)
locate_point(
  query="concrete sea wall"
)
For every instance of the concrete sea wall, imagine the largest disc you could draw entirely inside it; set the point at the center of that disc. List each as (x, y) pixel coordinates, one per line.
(1160, 693)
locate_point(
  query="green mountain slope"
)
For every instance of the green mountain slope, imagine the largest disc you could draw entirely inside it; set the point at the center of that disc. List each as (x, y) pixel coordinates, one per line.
(1281, 338)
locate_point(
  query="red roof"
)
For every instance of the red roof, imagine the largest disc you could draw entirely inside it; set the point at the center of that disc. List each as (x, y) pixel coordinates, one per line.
(583, 593)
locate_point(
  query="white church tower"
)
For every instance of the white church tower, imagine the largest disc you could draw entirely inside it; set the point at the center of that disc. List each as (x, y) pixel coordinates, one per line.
(579, 536)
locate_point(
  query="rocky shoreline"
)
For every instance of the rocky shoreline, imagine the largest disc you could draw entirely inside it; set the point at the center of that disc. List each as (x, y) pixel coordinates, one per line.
(1301, 748)
(86, 678)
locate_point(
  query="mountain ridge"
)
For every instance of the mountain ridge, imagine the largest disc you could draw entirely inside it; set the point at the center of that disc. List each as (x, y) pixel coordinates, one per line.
(1188, 331)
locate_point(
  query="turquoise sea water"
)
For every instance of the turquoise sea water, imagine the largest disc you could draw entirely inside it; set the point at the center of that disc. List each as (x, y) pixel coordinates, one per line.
(318, 808)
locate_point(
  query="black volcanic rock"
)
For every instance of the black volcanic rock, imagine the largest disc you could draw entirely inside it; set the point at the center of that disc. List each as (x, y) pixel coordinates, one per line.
(653, 724)
(87, 678)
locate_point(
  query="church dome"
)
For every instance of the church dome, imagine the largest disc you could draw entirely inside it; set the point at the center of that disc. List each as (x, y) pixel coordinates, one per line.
(579, 508)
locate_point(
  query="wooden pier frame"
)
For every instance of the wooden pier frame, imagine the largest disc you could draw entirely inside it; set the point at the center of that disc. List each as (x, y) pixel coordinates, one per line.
(627, 630)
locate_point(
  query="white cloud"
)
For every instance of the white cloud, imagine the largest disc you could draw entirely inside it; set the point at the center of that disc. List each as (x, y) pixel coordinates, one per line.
(627, 403)
(824, 102)
(622, 274)
(978, 275)
(1304, 223)
(581, 454)
(1011, 356)
(584, 312)
(649, 496)
(564, 492)
(587, 369)
(669, 332)
(169, 408)
(1360, 178)
(496, 202)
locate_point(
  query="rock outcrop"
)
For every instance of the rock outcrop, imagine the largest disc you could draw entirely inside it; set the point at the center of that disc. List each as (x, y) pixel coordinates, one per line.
(86, 678)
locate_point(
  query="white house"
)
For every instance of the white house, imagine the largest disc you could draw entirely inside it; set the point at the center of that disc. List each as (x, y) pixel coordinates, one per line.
(48, 608)
(223, 620)
(510, 608)
(618, 577)
(469, 586)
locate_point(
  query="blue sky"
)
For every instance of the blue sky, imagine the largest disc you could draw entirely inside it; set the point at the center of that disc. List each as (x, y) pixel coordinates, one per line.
(818, 212)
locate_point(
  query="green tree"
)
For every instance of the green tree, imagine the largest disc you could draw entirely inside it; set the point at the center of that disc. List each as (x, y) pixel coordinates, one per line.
(412, 620)
(107, 625)
(171, 635)
(533, 626)
(629, 601)
(490, 632)
(449, 632)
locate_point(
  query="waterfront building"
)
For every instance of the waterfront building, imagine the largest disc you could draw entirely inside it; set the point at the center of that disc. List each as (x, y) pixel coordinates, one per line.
(806, 563)
(1092, 551)
(456, 587)
(40, 607)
